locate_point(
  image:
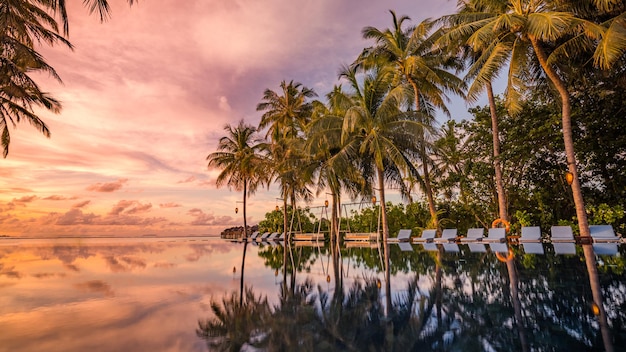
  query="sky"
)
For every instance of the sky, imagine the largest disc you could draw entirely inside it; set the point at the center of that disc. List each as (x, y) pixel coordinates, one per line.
(146, 96)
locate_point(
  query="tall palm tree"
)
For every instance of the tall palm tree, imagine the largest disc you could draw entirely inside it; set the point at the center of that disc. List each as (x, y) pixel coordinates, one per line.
(285, 117)
(422, 69)
(380, 135)
(239, 157)
(484, 68)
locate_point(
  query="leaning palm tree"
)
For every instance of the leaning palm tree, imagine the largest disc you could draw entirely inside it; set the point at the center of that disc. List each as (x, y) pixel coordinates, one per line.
(239, 156)
(423, 70)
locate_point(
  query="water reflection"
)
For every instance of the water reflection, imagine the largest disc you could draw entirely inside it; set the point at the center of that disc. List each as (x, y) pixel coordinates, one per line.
(182, 294)
(467, 297)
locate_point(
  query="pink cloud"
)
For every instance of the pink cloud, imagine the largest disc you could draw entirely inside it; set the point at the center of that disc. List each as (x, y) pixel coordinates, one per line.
(55, 197)
(188, 179)
(129, 207)
(25, 199)
(204, 219)
(108, 186)
(169, 205)
(81, 204)
(75, 217)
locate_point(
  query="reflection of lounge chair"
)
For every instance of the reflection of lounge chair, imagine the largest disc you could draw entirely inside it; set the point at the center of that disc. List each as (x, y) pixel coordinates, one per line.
(404, 235)
(476, 247)
(473, 235)
(530, 234)
(405, 246)
(448, 235)
(499, 247)
(427, 236)
(450, 247)
(561, 234)
(496, 234)
(430, 246)
(564, 248)
(367, 236)
(533, 247)
(603, 233)
(605, 248)
(264, 237)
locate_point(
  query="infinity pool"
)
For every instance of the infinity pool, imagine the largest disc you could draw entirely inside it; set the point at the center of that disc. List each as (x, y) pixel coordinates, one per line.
(161, 294)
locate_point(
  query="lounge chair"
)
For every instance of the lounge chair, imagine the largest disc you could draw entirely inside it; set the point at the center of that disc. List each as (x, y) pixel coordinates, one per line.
(530, 234)
(448, 235)
(430, 246)
(404, 235)
(603, 233)
(313, 236)
(273, 236)
(561, 234)
(427, 236)
(496, 234)
(254, 235)
(473, 235)
(367, 236)
(263, 237)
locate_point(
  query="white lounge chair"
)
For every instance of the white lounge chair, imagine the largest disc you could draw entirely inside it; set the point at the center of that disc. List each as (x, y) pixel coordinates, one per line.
(603, 233)
(450, 247)
(274, 236)
(496, 234)
(430, 246)
(473, 235)
(561, 234)
(448, 235)
(530, 234)
(404, 235)
(263, 237)
(427, 236)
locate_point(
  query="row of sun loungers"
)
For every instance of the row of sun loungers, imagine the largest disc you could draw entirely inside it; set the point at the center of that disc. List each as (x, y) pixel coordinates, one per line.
(599, 233)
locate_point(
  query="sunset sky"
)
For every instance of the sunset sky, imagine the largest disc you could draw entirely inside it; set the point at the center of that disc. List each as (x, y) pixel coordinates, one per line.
(146, 95)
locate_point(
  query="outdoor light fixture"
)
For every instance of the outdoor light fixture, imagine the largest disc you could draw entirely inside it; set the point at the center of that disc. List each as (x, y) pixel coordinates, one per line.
(569, 177)
(595, 309)
(326, 203)
(374, 199)
(328, 278)
(236, 210)
(378, 283)
(277, 208)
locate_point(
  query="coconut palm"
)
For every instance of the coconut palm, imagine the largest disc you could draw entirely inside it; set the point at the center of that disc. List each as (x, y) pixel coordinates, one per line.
(24, 24)
(239, 156)
(380, 134)
(484, 68)
(422, 70)
(285, 117)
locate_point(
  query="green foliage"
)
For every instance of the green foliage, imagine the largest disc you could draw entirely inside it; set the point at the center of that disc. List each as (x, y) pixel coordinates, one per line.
(303, 221)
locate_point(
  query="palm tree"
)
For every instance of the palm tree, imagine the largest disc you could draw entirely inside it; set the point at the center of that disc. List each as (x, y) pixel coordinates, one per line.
(239, 157)
(24, 24)
(421, 69)
(380, 135)
(285, 117)
(484, 68)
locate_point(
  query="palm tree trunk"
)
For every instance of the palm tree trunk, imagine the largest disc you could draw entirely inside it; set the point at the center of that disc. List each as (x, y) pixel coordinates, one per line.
(502, 211)
(427, 186)
(245, 224)
(568, 139)
(583, 225)
(383, 210)
(517, 306)
(334, 228)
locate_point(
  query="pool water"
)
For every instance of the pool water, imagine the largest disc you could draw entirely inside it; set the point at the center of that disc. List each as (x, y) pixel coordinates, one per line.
(162, 294)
